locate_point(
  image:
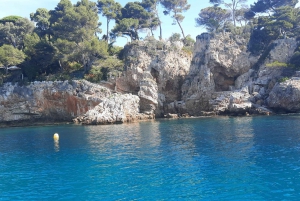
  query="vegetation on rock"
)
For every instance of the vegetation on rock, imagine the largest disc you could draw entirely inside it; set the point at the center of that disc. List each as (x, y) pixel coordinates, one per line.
(66, 41)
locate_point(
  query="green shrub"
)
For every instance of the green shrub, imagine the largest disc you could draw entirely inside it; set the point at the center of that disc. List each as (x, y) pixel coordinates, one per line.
(283, 79)
(188, 50)
(54, 77)
(175, 37)
(189, 41)
(277, 64)
(95, 75)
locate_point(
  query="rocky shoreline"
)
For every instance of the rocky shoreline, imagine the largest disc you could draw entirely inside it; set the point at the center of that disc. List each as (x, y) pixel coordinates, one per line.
(220, 78)
(38, 122)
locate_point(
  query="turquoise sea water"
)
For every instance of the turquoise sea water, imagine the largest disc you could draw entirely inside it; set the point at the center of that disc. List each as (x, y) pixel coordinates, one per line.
(247, 158)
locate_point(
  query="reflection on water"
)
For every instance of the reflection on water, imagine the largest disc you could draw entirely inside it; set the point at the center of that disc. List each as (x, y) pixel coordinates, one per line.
(127, 136)
(56, 145)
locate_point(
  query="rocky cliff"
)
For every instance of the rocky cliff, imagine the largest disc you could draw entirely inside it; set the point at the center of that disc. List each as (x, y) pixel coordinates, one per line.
(221, 77)
(63, 101)
(228, 79)
(155, 71)
(164, 79)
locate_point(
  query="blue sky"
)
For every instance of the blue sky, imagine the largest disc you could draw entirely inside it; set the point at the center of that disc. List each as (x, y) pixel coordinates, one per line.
(25, 7)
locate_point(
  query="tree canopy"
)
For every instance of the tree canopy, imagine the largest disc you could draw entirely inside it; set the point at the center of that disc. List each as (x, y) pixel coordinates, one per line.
(67, 37)
(13, 33)
(212, 18)
(42, 19)
(10, 56)
(176, 7)
(266, 6)
(283, 23)
(110, 9)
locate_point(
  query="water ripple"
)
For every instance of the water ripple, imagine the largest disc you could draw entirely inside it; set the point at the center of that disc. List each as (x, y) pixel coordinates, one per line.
(191, 159)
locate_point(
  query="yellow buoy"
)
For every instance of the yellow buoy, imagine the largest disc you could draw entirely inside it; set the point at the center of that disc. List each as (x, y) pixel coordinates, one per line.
(56, 136)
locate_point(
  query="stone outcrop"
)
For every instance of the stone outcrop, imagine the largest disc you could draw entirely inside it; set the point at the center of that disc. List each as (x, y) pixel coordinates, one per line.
(117, 108)
(64, 101)
(285, 96)
(155, 72)
(222, 78)
(216, 63)
(163, 79)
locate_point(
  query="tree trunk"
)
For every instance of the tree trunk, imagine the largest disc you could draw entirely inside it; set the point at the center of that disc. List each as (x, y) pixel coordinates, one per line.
(61, 68)
(151, 32)
(160, 31)
(180, 28)
(233, 18)
(87, 65)
(234, 7)
(107, 26)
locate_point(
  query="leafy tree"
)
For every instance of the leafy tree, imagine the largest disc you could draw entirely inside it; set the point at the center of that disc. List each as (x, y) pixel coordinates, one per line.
(153, 24)
(240, 16)
(233, 5)
(84, 53)
(151, 6)
(283, 23)
(135, 17)
(265, 6)
(74, 33)
(91, 51)
(75, 23)
(42, 19)
(135, 10)
(132, 19)
(175, 37)
(212, 18)
(13, 33)
(11, 18)
(126, 27)
(110, 9)
(104, 68)
(41, 57)
(10, 56)
(60, 10)
(114, 50)
(176, 7)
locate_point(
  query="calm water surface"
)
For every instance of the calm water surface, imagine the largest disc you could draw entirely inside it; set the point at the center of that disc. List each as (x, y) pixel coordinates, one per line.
(248, 158)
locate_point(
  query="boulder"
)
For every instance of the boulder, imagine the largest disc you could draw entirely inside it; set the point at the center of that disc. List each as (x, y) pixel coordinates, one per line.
(285, 96)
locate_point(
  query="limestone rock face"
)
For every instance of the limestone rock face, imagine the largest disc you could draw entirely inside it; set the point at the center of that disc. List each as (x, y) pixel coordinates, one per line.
(155, 72)
(231, 102)
(216, 63)
(285, 96)
(163, 79)
(221, 77)
(261, 81)
(225, 78)
(117, 108)
(48, 100)
(56, 101)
